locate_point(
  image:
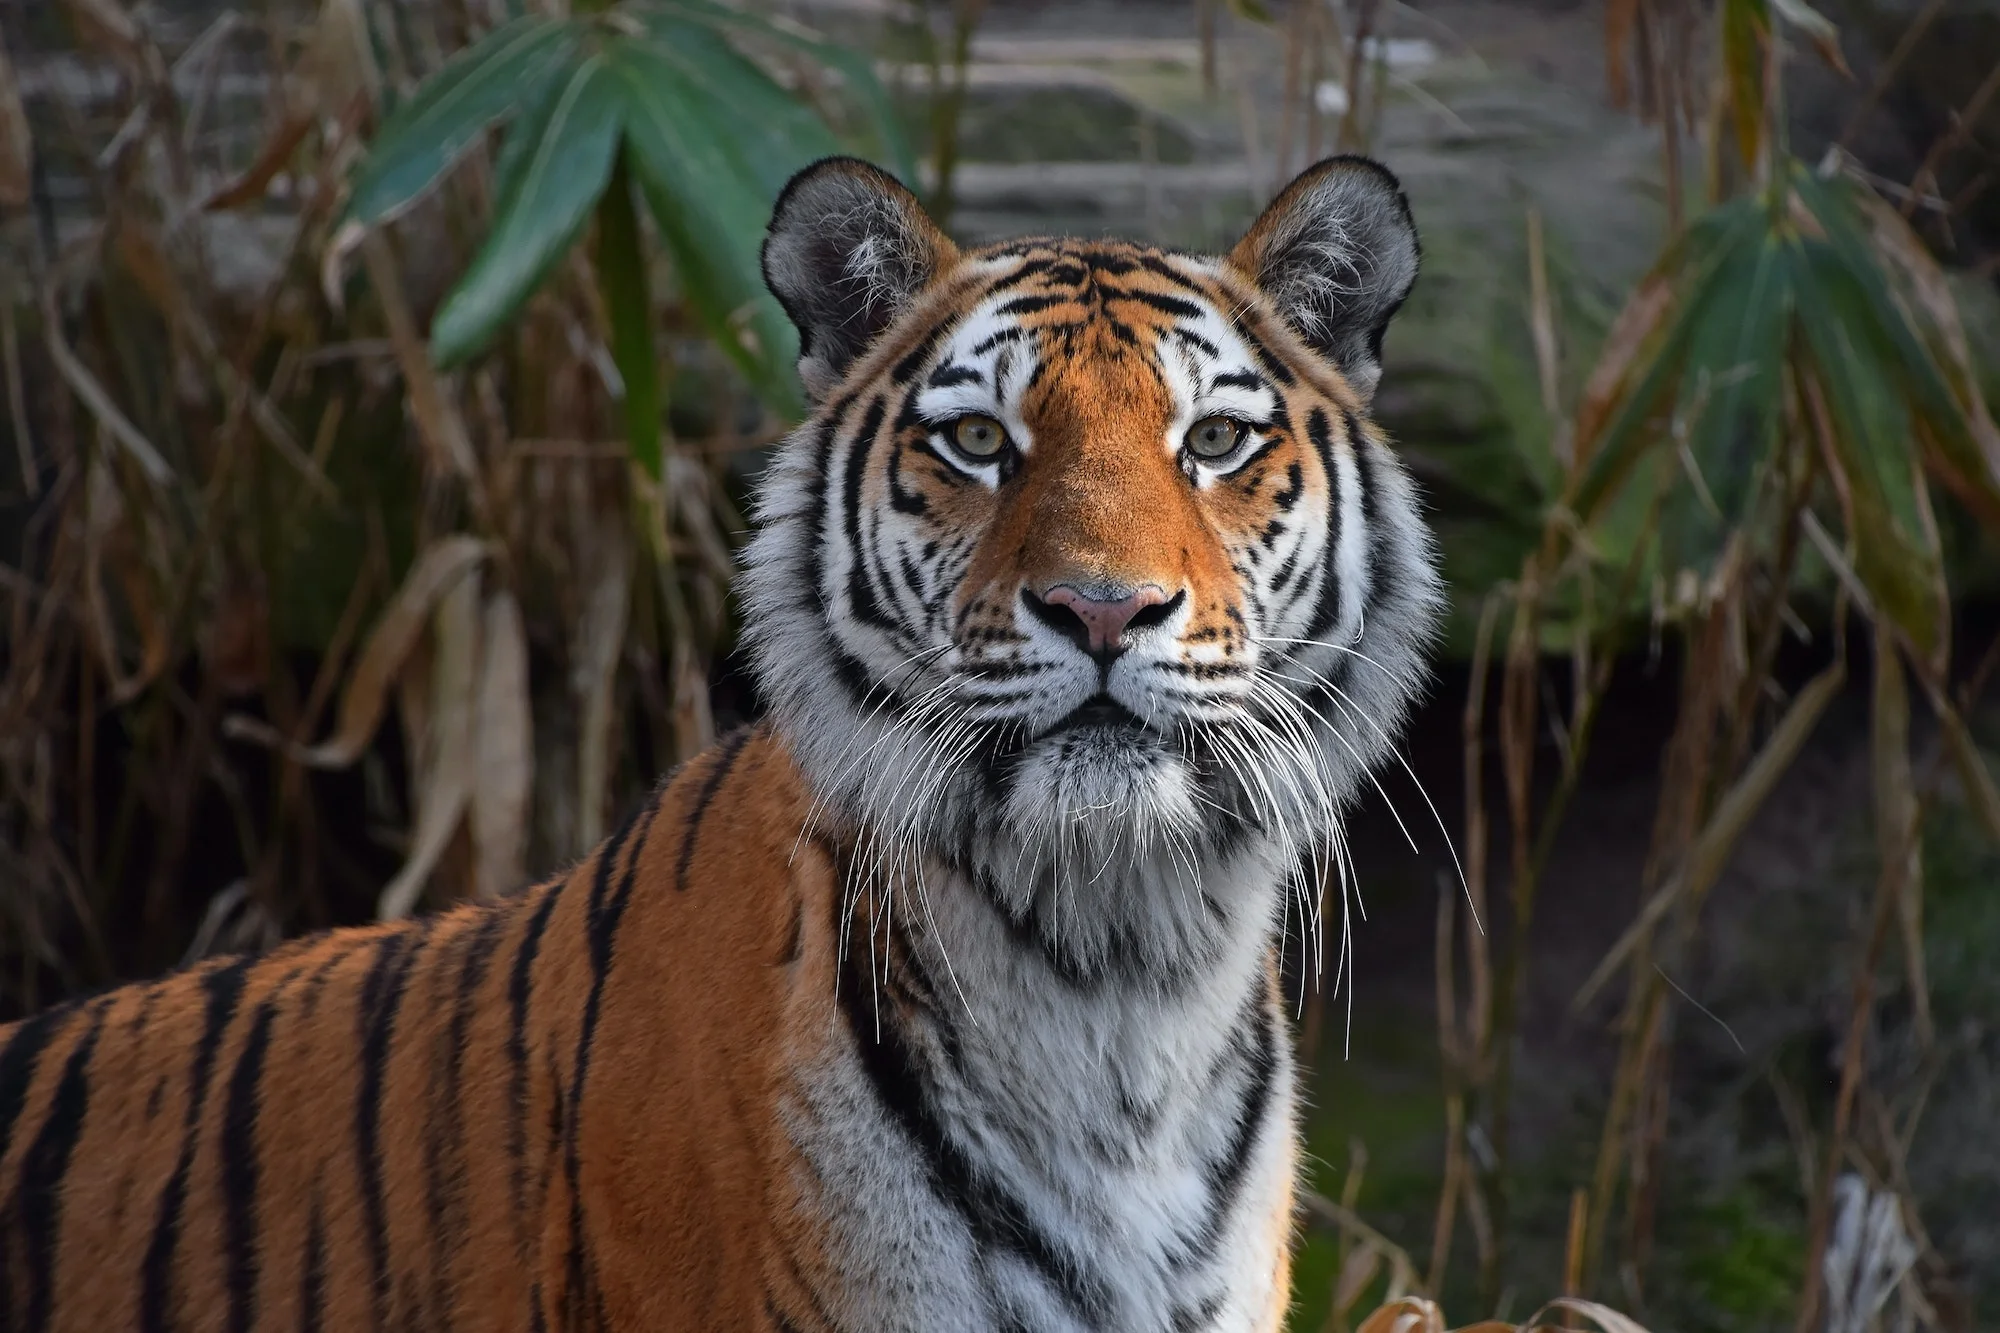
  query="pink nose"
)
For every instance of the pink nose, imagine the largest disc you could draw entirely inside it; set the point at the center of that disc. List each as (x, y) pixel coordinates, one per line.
(1104, 621)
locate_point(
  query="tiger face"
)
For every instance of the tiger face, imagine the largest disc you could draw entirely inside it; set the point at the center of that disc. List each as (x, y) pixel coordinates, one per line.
(1088, 565)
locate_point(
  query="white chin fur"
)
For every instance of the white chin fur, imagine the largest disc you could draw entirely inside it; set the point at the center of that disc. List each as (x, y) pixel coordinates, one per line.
(1099, 786)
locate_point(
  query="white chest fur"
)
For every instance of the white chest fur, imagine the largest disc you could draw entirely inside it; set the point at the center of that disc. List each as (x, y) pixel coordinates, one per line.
(1002, 1148)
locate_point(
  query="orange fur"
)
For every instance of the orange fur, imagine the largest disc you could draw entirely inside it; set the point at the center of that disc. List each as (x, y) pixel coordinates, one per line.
(678, 1196)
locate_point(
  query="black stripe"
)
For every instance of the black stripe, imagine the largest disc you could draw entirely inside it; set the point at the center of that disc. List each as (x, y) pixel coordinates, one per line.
(945, 376)
(727, 751)
(1033, 304)
(312, 1270)
(901, 498)
(224, 987)
(913, 360)
(1013, 333)
(804, 1285)
(1371, 514)
(1166, 305)
(519, 991)
(1295, 486)
(39, 1195)
(1273, 367)
(1028, 269)
(1117, 262)
(1326, 614)
(860, 589)
(23, 1052)
(1191, 1319)
(814, 515)
(239, 1171)
(444, 1131)
(997, 1220)
(381, 995)
(1224, 1175)
(1196, 341)
(606, 912)
(780, 1321)
(1161, 268)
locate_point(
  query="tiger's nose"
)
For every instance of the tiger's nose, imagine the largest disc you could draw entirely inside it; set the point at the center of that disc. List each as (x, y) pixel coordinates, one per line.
(1097, 624)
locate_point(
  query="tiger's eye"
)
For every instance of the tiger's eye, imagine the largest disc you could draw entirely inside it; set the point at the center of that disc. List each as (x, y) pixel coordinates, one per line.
(978, 437)
(1214, 437)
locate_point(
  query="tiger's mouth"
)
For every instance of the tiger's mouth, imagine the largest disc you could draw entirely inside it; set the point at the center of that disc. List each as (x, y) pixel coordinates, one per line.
(1101, 712)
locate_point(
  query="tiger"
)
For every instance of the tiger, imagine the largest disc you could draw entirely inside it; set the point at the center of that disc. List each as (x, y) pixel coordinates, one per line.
(948, 995)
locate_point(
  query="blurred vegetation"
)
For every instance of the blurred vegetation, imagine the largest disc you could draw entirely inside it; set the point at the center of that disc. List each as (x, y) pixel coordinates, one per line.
(435, 395)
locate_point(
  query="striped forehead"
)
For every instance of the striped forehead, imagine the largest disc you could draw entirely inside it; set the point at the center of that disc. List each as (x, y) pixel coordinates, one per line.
(1162, 307)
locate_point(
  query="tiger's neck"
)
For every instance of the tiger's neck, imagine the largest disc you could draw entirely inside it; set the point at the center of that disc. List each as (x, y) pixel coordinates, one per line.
(1116, 1146)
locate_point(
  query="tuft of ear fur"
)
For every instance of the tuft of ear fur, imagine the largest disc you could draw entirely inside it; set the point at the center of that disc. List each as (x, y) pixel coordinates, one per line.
(848, 249)
(1337, 253)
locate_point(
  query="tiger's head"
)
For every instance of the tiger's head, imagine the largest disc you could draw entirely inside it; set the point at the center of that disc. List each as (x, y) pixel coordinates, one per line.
(1088, 566)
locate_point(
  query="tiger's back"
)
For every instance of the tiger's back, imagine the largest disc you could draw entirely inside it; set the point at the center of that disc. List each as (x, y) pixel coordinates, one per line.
(402, 1125)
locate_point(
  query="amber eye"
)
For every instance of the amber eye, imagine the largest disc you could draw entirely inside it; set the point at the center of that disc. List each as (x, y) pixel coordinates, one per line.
(978, 437)
(1214, 437)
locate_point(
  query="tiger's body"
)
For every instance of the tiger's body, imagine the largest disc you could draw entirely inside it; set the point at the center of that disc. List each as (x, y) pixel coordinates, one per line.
(948, 997)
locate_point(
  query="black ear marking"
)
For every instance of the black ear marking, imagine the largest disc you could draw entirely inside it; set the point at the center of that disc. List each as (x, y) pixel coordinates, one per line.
(847, 250)
(1337, 252)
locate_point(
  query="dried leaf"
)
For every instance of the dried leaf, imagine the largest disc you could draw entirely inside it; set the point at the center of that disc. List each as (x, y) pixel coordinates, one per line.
(1641, 318)
(1412, 1314)
(1362, 1264)
(1710, 849)
(1897, 841)
(1972, 472)
(337, 67)
(504, 747)
(17, 400)
(446, 445)
(1973, 774)
(1818, 30)
(444, 780)
(17, 147)
(1605, 1317)
(106, 25)
(605, 565)
(94, 396)
(436, 572)
(1620, 20)
(271, 159)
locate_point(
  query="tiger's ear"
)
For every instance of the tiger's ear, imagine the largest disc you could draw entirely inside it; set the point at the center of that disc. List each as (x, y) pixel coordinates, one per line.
(848, 249)
(1337, 253)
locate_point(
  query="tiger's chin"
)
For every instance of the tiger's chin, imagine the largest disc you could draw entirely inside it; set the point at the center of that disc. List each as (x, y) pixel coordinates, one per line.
(1103, 786)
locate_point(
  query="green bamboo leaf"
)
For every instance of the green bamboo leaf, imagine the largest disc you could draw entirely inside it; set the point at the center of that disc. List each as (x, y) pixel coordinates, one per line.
(855, 69)
(1693, 267)
(1947, 404)
(1895, 552)
(1846, 237)
(522, 138)
(482, 84)
(711, 204)
(761, 129)
(621, 277)
(559, 185)
(1731, 393)
(1863, 387)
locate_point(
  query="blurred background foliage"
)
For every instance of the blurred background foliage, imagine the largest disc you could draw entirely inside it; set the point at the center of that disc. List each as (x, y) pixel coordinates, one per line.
(383, 382)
